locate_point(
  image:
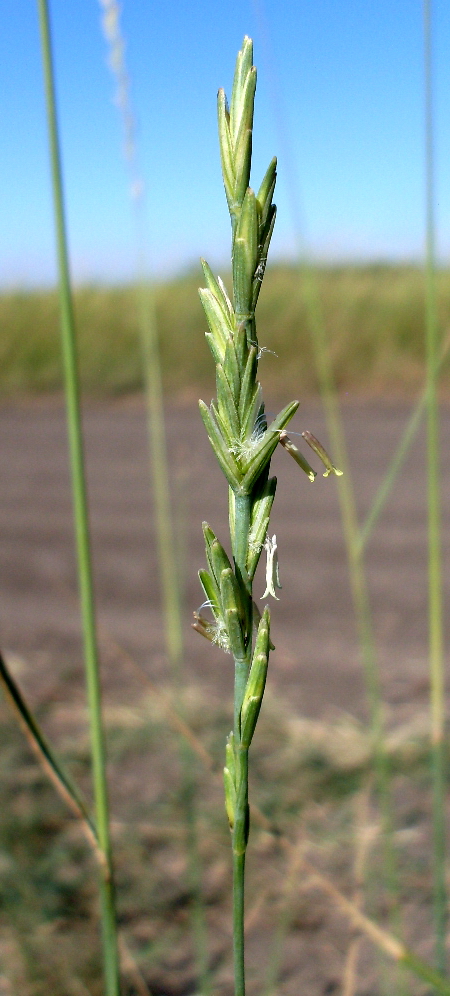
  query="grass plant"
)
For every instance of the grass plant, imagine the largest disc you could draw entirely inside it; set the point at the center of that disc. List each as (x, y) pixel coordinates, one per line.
(110, 949)
(243, 443)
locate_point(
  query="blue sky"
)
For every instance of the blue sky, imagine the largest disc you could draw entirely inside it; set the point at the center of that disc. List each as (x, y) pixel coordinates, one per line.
(339, 100)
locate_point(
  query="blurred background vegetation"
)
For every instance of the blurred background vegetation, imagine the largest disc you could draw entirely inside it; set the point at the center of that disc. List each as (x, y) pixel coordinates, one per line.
(373, 314)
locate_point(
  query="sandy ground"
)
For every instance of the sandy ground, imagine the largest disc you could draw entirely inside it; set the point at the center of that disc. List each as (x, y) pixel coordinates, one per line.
(317, 665)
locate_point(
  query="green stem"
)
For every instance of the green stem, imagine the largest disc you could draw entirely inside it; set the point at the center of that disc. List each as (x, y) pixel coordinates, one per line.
(238, 923)
(434, 528)
(240, 829)
(170, 586)
(391, 475)
(110, 951)
(240, 835)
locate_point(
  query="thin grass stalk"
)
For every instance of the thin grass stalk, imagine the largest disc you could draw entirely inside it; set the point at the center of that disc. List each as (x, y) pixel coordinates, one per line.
(168, 571)
(436, 660)
(169, 578)
(347, 504)
(109, 930)
(147, 322)
(398, 458)
(49, 761)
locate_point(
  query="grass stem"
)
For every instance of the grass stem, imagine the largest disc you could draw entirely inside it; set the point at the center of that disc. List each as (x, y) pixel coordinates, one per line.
(110, 949)
(238, 923)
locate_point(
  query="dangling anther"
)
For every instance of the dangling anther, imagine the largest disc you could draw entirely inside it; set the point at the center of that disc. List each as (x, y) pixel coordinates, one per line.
(322, 454)
(291, 448)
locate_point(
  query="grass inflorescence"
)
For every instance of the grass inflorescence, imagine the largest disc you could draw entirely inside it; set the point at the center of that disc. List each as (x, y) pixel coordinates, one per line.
(243, 439)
